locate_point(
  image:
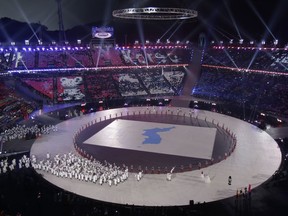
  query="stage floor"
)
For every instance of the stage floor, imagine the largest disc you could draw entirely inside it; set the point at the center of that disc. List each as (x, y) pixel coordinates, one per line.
(255, 158)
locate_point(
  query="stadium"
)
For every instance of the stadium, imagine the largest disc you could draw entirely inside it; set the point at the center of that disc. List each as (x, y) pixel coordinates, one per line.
(165, 121)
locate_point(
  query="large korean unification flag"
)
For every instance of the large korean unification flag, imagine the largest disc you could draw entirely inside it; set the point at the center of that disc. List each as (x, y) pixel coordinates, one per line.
(188, 141)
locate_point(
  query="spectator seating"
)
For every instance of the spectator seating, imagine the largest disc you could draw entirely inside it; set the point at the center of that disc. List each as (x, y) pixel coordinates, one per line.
(155, 82)
(101, 85)
(44, 85)
(24, 60)
(175, 78)
(79, 58)
(273, 59)
(52, 59)
(12, 107)
(129, 85)
(264, 92)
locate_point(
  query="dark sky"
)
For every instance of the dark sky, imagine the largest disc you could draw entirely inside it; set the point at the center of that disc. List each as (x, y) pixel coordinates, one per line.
(228, 18)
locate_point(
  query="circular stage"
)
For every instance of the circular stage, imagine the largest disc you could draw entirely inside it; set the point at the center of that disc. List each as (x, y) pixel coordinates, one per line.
(255, 158)
(146, 141)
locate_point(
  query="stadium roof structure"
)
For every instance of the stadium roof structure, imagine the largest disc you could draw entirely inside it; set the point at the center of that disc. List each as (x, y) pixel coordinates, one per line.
(155, 13)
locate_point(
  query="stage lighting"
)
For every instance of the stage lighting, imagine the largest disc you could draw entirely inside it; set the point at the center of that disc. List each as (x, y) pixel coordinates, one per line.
(212, 42)
(78, 41)
(168, 41)
(158, 41)
(263, 42)
(26, 42)
(275, 42)
(13, 43)
(66, 42)
(40, 42)
(155, 13)
(251, 42)
(231, 41)
(147, 42)
(241, 41)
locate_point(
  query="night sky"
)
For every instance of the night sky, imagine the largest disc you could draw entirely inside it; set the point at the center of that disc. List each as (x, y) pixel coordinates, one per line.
(218, 16)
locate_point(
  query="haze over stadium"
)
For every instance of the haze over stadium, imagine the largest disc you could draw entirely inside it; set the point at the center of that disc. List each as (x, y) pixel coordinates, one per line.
(143, 107)
(251, 20)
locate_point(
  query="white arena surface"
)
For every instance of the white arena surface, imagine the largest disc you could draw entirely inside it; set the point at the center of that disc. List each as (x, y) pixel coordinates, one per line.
(129, 135)
(254, 160)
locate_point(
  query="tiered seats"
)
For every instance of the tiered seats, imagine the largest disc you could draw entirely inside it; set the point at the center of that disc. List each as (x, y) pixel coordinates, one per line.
(155, 83)
(101, 85)
(175, 78)
(229, 57)
(52, 59)
(79, 58)
(70, 88)
(271, 59)
(4, 60)
(266, 92)
(12, 108)
(129, 85)
(276, 60)
(24, 60)
(149, 56)
(43, 85)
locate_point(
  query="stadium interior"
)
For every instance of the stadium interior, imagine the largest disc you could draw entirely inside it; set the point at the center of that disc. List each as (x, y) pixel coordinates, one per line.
(45, 83)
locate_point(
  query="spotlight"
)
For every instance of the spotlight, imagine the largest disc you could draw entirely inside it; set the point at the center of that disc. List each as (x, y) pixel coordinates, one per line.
(136, 42)
(241, 41)
(251, 42)
(231, 41)
(13, 43)
(53, 42)
(275, 42)
(158, 41)
(78, 41)
(263, 42)
(40, 42)
(26, 42)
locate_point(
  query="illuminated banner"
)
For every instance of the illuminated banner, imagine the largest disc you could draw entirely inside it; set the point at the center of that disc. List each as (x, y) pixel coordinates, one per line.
(102, 32)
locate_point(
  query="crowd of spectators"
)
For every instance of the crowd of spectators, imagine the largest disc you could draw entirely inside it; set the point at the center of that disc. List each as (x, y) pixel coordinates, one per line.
(101, 85)
(41, 85)
(26, 58)
(262, 91)
(90, 85)
(13, 108)
(267, 59)
(4, 61)
(155, 82)
(129, 84)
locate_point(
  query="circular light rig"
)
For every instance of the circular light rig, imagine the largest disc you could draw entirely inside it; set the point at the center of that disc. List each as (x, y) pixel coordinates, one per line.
(155, 13)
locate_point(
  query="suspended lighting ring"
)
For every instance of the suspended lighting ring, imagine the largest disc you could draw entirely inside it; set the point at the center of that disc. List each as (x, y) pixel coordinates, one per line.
(155, 13)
